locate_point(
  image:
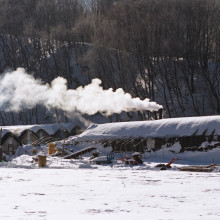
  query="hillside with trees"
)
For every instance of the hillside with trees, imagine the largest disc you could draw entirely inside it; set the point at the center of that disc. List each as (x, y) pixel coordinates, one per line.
(167, 51)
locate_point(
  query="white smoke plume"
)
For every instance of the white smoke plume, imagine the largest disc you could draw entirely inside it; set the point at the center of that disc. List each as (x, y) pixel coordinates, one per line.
(20, 90)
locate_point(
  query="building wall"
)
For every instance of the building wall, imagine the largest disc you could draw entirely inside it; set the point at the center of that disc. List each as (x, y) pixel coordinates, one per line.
(28, 138)
(41, 133)
(190, 143)
(10, 146)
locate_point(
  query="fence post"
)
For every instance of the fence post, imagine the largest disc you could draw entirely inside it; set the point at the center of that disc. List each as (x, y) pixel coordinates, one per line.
(42, 161)
(1, 154)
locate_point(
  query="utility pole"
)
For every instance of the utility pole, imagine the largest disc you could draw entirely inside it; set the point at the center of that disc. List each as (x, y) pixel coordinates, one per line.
(64, 132)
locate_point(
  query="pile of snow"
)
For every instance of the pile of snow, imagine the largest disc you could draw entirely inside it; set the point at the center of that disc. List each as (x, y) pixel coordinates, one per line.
(28, 150)
(24, 157)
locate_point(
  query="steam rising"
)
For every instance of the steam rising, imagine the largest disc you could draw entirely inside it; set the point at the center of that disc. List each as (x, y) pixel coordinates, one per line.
(20, 90)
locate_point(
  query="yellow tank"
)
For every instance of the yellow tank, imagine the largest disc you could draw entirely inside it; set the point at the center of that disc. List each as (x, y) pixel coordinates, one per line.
(52, 148)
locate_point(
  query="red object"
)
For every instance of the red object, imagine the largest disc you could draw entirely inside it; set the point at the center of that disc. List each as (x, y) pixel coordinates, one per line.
(173, 159)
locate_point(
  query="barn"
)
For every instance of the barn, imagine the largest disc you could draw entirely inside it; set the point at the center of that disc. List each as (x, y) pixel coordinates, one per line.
(36, 134)
(28, 136)
(10, 142)
(76, 130)
(189, 132)
(41, 133)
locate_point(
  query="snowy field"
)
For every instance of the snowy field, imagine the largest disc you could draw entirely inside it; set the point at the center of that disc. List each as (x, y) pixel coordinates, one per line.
(76, 189)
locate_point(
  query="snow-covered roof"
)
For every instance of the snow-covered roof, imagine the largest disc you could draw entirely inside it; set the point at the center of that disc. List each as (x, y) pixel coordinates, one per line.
(172, 127)
(49, 128)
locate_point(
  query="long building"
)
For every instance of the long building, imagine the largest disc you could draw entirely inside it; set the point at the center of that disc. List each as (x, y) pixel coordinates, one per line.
(190, 132)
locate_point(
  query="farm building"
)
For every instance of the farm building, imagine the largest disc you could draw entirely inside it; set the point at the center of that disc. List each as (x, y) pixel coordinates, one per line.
(76, 130)
(61, 133)
(43, 129)
(189, 132)
(36, 134)
(41, 133)
(10, 142)
(28, 136)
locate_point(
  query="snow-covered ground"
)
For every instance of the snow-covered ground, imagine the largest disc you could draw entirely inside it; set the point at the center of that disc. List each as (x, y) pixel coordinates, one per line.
(108, 193)
(76, 189)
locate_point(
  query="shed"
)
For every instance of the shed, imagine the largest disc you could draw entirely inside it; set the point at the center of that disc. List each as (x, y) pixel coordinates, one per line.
(28, 136)
(190, 132)
(10, 142)
(76, 130)
(61, 133)
(41, 133)
(58, 130)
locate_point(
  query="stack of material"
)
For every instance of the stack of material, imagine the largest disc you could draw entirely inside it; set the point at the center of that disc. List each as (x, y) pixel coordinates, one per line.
(208, 168)
(75, 155)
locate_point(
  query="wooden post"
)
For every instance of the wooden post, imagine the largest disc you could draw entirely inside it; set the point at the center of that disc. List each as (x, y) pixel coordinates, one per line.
(51, 148)
(42, 161)
(1, 137)
(1, 154)
(64, 132)
(160, 113)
